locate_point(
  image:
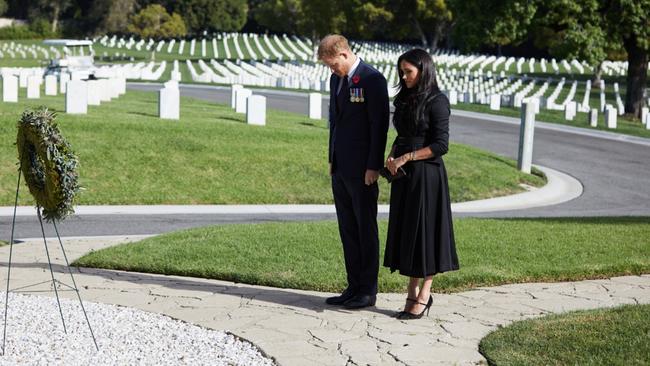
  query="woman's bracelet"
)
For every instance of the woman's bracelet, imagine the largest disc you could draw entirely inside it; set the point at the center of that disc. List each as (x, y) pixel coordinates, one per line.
(412, 157)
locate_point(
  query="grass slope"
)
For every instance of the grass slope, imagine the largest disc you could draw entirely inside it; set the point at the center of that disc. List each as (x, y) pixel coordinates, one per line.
(309, 256)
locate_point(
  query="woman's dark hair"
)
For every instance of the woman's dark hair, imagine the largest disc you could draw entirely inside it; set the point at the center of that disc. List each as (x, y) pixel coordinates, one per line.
(427, 85)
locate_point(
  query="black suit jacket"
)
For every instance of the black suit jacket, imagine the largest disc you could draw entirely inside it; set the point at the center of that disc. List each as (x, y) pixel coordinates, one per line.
(358, 130)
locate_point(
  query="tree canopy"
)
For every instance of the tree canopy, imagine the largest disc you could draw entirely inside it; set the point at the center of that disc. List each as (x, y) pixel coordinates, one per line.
(212, 15)
(154, 21)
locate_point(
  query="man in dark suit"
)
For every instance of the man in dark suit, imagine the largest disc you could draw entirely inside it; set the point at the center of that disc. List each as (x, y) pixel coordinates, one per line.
(358, 116)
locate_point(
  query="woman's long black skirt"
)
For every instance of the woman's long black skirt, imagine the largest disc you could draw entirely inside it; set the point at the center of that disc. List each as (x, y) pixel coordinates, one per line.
(420, 239)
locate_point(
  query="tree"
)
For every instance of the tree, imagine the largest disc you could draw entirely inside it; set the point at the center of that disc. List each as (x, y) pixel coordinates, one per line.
(3, 7)
(594, 30)
(154, 21)
(368, 19)
(508, 22)
(589, 30)
(629, 22)
(112, 16)
(213, 15)
(427, 20)
(278, 15)
(52, 10)
(312, 18)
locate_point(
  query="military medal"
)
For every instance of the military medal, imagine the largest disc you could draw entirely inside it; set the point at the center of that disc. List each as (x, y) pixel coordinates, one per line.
(356, 95)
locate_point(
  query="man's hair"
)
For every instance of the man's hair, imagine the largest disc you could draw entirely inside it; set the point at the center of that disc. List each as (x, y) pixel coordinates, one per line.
(331, 45)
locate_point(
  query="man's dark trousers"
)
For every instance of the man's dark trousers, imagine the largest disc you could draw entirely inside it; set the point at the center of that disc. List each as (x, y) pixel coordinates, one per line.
(356, 211)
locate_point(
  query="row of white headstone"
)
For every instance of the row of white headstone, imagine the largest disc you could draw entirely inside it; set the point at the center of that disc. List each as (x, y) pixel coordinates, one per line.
(284, 47)
(483, 88)
(295, 48)
(242, 100)
(79, 93)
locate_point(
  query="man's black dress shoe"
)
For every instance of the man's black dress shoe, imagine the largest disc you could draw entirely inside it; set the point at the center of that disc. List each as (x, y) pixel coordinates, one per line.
(360, 301)
(341, 299)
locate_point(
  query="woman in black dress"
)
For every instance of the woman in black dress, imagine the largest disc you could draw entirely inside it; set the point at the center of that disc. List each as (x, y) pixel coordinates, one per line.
(420, 240)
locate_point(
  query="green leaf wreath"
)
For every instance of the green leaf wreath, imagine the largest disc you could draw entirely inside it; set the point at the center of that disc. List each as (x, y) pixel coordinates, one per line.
(48, 163)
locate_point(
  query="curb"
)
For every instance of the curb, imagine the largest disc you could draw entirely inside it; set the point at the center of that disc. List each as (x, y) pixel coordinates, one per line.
(560, 188)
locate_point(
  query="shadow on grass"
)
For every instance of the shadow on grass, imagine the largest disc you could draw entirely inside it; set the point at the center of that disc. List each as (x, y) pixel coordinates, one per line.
(143, 114)
(273, 295)
(313, 125)
(232, 119)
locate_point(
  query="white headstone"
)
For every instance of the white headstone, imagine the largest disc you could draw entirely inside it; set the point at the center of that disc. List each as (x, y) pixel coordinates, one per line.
(105, 92)
(453, 97)
(33, 87)
(526, 135)
(169, 103)
(233, 92)
(570, 111)
(94, 92)
(593, 117)
(122, 85)
(9, 88)
(495, 102)
(256, 110)
(171, 84)
(610, 116)
(240, 99)
(50, 85)
(114, 87)
(63, 80)
(23, 75)
(76, 97)
(645, 117)
(315, 106)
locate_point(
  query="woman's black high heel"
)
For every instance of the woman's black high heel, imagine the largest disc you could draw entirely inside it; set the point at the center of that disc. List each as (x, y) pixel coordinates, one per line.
(399, 313)
(405, 315)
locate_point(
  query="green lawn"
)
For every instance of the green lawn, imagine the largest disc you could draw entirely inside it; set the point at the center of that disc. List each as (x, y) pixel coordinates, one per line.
(211, 156)
(608, 337)
(308, 255)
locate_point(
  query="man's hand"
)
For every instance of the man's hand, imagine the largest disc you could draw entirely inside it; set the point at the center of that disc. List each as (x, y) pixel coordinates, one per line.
(371, 176)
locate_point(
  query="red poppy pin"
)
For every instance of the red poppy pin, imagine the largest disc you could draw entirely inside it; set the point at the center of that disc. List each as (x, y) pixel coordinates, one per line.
(355, 79)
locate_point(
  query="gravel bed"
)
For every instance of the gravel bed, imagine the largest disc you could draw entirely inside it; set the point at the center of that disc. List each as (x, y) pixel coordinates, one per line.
(125, 336)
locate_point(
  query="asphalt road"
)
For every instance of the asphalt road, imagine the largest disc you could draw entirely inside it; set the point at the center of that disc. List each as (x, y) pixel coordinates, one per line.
(614, 174)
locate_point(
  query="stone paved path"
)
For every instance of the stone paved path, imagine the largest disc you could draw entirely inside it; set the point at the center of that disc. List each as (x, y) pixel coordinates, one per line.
(297, 328)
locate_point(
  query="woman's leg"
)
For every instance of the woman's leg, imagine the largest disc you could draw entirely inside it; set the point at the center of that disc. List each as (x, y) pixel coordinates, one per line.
(423, 296)
(413, 292)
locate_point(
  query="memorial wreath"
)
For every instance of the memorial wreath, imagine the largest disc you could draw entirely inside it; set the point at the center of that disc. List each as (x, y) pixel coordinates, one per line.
(47, 163)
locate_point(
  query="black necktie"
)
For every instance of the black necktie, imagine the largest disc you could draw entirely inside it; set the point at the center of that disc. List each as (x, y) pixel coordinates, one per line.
(343, 94)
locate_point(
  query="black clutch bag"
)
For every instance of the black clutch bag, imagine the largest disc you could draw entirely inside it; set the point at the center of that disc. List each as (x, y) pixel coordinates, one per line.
(384, 172)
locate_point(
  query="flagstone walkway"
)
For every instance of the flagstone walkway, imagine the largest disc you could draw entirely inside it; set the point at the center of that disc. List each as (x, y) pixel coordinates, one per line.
(296, 327)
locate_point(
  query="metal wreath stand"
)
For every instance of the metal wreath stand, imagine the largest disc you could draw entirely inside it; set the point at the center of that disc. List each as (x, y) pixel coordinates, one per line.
(46, 118)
